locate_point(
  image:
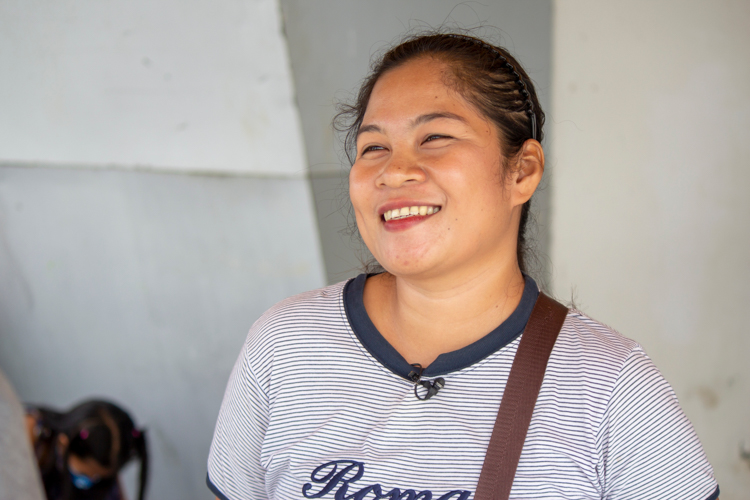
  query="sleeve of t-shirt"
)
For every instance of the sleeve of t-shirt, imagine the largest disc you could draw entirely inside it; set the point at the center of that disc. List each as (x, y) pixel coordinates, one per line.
(647, 446)
(234, 468)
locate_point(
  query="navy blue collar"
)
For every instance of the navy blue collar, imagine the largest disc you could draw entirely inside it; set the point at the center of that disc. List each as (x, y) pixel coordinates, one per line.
(448, 362)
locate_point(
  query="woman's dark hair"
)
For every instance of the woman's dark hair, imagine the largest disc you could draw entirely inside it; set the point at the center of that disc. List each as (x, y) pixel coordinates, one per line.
(487, 76)
(99, 430)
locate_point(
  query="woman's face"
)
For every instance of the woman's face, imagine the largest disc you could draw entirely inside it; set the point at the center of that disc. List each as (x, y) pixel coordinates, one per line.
(423, 145)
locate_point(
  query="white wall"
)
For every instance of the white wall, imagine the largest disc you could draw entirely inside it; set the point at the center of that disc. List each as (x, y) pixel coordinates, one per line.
(170, 84)
(153, 203)
(650, 165)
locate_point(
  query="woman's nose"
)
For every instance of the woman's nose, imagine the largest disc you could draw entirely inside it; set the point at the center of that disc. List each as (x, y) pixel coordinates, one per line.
(401, 169)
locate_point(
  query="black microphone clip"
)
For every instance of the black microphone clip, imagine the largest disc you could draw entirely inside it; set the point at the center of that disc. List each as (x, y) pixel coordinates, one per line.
(432, 387)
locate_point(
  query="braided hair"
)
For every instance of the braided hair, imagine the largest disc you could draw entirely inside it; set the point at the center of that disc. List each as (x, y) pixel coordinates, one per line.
(95, 429)
(487, 76)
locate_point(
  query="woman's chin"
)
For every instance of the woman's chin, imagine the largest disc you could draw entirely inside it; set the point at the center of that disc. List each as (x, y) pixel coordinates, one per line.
(415, 266)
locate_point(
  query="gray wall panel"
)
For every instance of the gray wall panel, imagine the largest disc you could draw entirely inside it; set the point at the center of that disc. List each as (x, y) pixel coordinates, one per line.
(141, 287)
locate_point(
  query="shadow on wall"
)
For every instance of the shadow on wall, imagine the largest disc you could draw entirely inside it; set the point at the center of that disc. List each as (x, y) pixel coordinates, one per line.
(141, 287)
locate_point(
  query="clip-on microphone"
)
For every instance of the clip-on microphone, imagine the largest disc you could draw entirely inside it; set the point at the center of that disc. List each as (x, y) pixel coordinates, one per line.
(432, 387)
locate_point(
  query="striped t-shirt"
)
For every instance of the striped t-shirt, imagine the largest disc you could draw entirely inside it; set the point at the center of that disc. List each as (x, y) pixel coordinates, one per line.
(319, 405)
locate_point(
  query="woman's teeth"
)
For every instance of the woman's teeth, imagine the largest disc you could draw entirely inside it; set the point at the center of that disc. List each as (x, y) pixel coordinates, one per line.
(402, 213)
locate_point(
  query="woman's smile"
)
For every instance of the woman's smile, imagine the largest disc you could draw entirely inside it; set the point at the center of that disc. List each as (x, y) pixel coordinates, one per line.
(409, 211)
(402, 215)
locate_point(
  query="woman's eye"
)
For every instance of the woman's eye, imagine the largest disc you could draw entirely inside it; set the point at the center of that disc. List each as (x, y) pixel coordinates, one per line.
(435, 137)
(372, 148)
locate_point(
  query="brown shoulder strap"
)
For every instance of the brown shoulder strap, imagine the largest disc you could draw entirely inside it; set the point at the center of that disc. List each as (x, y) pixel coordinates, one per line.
(519, 398)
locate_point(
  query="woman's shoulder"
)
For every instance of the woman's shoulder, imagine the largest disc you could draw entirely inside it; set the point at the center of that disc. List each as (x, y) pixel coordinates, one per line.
(310, 304)
(592, 349)
(314, 311)
(590, 335)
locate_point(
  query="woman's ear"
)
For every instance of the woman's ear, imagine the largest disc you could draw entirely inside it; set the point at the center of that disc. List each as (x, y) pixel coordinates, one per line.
(528, 171)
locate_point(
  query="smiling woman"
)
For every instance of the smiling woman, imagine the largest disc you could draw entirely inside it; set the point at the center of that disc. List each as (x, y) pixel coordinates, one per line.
(444, 143)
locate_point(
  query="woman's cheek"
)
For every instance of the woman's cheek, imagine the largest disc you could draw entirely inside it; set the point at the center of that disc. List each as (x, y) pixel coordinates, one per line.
(360, 191)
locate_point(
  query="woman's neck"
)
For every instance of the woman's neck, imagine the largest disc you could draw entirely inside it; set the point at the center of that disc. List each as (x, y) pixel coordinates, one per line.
(423, 318)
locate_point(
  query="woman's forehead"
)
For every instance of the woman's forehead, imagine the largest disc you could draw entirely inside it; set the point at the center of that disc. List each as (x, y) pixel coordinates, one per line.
(422, 72)
(414, 89)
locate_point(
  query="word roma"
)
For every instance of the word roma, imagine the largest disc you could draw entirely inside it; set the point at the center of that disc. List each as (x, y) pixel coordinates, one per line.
(332, 476)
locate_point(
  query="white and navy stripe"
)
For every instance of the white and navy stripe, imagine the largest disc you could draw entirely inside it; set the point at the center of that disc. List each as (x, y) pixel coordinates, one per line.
(318, 406)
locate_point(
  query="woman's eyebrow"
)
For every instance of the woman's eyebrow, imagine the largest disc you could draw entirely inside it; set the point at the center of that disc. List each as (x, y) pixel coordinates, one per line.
(434, 116)
(368, 128)
(421, 119)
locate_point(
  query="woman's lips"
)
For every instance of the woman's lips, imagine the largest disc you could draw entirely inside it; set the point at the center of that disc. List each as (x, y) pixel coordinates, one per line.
(393, 220)
(407, 212)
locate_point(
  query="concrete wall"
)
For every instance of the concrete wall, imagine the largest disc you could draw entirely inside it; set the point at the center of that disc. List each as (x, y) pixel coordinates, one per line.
(168, 84)
(331, 43)
(651, 115)
(153, 203)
